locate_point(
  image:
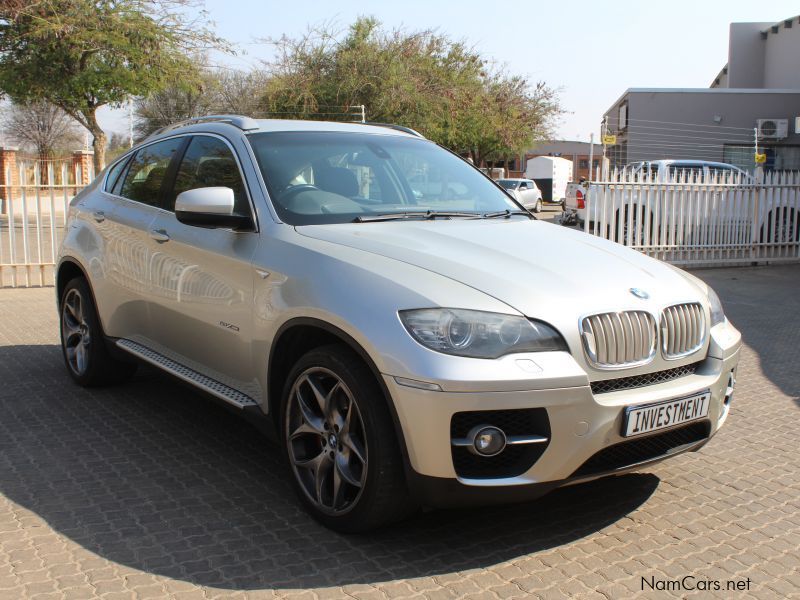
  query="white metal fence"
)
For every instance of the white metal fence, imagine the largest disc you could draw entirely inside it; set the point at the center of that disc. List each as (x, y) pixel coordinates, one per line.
(690, 219)
(33, 207)
(698, 219)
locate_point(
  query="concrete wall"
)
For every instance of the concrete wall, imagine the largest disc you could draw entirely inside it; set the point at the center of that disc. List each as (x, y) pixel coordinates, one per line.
(762, 55)
(746, 52)
(782, 56)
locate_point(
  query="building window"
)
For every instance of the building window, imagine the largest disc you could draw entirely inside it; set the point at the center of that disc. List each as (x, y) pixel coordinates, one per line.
(623, 116)
(583, 163)
(595, 163)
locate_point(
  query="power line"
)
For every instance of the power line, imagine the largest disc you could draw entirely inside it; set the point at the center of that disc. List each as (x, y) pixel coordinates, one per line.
(687, 133)
(686, 124)
(673, 144)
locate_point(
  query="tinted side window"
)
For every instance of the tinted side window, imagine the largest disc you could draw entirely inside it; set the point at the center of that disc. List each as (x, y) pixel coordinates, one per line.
(113, 174)
(209, 162)
(147, 171)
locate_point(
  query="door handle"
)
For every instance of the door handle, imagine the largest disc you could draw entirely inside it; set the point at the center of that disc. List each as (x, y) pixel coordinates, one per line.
(99, 216)
(159, 235)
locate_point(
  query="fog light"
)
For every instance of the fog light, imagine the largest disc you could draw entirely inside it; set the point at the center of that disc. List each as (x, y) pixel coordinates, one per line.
(487, 440)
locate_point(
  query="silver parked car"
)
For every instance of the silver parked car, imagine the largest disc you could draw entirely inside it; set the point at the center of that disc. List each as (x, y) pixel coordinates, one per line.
(408, 345)
(525, 191)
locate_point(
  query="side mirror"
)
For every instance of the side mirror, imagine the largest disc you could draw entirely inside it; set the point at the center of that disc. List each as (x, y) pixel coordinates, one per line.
(209, 207)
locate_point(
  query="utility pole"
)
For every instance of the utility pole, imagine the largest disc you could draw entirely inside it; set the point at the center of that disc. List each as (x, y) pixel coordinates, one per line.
(130, 122)
(591, 154)
(755, 137)
(758, 172)
(603, 133)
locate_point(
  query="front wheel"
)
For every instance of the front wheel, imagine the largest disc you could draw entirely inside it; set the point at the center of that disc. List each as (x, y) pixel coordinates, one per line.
(340, 443)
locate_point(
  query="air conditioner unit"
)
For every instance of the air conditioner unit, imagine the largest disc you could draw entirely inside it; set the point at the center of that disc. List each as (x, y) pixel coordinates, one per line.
(773, 129)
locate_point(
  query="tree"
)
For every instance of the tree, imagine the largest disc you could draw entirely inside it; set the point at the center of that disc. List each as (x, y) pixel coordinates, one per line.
(42, 127)
(423, 80)
(118, 143)
(218, 92)
(84, 54)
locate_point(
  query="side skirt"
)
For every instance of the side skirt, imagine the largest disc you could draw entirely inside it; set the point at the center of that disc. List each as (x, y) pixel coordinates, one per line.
(198, 380)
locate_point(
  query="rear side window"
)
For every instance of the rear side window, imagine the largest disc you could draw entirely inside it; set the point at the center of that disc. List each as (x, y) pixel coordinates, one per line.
(147, 171)
(209, 162)
(113, 174)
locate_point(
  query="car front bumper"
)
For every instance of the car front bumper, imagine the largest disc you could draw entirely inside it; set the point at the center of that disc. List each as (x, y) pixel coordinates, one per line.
(581, 425)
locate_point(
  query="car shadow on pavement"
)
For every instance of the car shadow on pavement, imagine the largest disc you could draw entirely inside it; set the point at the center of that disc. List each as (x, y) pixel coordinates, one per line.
(154, 477)
(763, 303)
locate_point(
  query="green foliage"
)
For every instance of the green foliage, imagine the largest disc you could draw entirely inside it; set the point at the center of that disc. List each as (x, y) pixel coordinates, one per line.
(83, 54)
(423, 80)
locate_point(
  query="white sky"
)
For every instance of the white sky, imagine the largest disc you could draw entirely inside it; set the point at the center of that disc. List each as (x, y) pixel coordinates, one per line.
(592, 50)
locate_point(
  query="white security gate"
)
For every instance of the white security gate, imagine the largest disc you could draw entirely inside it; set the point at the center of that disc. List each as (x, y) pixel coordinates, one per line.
(32, 217)
(693, 219)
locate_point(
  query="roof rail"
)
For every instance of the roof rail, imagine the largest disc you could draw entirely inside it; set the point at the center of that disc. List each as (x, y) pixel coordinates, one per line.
(240, 121)
(397, 127)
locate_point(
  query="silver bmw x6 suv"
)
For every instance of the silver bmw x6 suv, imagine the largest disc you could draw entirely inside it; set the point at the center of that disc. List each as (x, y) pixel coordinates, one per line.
(409, 334)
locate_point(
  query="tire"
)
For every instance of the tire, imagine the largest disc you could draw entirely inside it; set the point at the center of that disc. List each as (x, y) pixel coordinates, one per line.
(628, 237)
(346, 464)
(781, 228)
(538, 207)
(83, 343)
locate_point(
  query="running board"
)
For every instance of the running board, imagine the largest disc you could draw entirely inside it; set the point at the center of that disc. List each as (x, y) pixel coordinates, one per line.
(208, 385)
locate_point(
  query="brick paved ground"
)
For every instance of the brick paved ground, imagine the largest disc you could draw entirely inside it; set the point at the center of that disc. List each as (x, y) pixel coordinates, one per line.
(150, 491)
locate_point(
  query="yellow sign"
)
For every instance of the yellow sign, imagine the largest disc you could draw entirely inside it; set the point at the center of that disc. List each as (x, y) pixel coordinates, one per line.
(761, 159)
(609, 140)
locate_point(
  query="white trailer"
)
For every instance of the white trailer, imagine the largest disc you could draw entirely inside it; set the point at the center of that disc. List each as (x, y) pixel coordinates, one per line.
(551, 174)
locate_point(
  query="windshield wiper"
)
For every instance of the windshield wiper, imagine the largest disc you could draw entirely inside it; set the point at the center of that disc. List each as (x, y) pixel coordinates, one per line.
(506, 213)
(428, 214)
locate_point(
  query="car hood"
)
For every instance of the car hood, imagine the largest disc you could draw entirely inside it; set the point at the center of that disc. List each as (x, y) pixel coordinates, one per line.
(542, 270)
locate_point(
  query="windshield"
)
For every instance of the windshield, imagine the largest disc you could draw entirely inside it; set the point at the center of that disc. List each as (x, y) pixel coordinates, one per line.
(333, 177)
(508, 184)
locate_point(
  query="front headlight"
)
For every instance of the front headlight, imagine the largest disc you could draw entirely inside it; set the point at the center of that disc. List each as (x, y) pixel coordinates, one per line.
(479, 334)
(717, 314)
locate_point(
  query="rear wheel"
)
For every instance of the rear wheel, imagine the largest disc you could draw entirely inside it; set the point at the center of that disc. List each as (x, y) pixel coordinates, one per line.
(340, 443)
(538, 207)
(632, 232)
(781, 228)
(82, 342)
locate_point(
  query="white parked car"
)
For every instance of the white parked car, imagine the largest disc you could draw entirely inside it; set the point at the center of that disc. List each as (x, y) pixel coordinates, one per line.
(525, 191)
(674, 170)
(439, 350)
